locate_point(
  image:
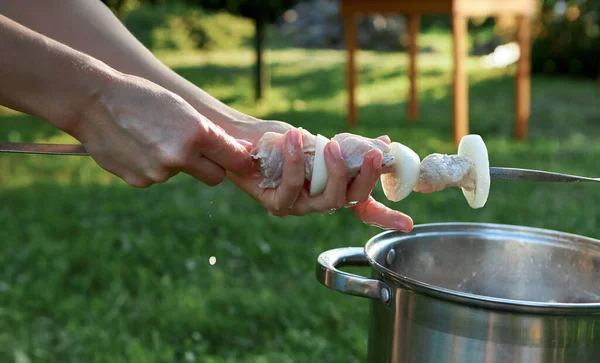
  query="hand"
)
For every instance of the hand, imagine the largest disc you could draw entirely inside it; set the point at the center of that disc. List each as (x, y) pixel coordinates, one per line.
(146, 134)
(292, 197)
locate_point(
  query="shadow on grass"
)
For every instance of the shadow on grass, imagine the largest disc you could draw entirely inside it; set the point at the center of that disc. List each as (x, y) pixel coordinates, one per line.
(139, 260)
(560, 109)
(327, 82)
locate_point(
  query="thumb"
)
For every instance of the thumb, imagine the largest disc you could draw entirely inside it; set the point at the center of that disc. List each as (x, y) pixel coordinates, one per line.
(226, 151)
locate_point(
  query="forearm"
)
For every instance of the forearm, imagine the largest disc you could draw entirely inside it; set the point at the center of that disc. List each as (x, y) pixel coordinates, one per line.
(47, 79)
(89, 26)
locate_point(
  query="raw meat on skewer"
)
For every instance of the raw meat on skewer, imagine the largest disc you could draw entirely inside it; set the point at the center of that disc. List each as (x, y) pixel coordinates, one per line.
(405, 172)
(468, 170)
(270, 152)
(440, 171)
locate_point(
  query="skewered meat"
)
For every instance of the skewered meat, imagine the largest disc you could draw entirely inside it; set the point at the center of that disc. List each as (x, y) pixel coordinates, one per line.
(468, 170)
(440, 171)
(270, 152)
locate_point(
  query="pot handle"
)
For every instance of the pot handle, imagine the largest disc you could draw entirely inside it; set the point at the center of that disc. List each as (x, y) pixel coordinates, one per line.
(329, 275)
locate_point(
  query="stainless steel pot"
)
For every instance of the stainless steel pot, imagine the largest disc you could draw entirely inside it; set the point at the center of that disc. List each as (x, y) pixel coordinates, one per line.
(475, 293)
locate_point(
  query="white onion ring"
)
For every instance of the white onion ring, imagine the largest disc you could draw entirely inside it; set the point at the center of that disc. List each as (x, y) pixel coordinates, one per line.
(318, 182)
(398, 184)
(473, 147)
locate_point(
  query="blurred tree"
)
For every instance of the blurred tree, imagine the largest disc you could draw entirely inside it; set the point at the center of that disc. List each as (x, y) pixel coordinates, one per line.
(568, 38)
(117, 6)
(262, 13)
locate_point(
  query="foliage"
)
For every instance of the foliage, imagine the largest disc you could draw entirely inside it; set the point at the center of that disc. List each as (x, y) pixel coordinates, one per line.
(568, 43)
(177, 26)
(94, 271)
(265, 10)
(121, 7)
(262, 12)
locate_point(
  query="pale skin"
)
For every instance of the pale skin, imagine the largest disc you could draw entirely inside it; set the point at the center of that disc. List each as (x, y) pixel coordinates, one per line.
(73, 64)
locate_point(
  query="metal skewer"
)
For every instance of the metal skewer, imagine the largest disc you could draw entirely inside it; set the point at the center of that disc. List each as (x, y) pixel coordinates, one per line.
(47, 149)
(514, 174)
(497, 173)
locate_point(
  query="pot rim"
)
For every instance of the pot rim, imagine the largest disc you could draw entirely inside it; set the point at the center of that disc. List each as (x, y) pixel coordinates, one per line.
(474, 299)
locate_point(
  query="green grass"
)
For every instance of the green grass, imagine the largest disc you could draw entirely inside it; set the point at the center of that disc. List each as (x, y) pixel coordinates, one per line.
(92, 270)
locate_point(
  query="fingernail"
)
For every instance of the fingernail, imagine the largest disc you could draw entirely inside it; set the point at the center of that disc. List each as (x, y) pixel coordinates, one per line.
(294, 140)
(386, 138)
(334, 149)
(404, 224)
(244, 143)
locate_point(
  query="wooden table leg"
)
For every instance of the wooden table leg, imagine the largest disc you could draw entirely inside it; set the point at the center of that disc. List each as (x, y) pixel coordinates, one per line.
(351, 76)
(523, 78)
(413, 50)
(460, 117)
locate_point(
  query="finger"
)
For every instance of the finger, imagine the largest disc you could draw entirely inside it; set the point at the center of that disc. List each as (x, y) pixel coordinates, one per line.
(334, 195)
(137, 181)
(361, 187)
(246, 144)
(376, 214)
(385, 138)
(204, 170)
(224, 150)
(293, 173)
(118, 169)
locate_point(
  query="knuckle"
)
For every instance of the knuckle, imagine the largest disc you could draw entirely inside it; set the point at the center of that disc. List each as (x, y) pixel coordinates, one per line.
(280, 212)
(170, 158)
(137, 182)
(216, 178)
(202, 133)
(337, 203)
(159, 175)
(199, 131)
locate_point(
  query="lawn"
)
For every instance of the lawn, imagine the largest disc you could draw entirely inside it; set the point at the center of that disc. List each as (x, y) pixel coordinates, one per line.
(92, 270)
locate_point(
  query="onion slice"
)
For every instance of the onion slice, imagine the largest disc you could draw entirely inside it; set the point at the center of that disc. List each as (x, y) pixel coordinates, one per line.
(319, 173)
(398, 184)
(473, 147)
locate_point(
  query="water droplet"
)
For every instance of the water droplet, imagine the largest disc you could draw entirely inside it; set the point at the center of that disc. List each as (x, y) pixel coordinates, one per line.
(212, 260)
(210, 216)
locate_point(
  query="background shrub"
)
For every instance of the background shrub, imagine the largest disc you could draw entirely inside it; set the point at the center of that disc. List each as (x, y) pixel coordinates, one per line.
(567, 39)
(176, 26)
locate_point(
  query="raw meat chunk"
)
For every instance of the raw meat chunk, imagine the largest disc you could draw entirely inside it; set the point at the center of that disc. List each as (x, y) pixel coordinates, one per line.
(270, 152)
(439, 171)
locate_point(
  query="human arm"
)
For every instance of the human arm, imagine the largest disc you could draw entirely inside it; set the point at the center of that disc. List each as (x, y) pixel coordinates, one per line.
(119, 118)
(82, 20)
(90, 27)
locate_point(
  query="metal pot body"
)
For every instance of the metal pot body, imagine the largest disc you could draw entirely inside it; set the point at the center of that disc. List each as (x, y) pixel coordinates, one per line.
(419, 329)
(438, 317)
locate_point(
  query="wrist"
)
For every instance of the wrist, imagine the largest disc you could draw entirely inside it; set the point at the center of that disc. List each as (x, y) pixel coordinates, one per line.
(89, 88)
